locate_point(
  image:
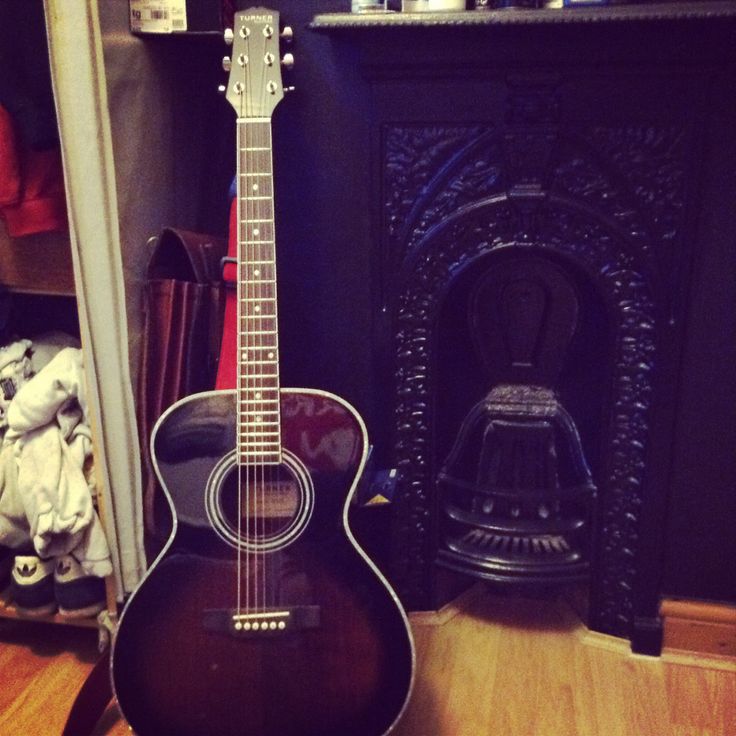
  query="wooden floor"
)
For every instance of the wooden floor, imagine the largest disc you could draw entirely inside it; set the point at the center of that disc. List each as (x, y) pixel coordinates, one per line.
(487, 666)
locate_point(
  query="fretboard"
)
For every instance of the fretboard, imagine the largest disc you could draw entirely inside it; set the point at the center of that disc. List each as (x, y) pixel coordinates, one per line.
(259, 425)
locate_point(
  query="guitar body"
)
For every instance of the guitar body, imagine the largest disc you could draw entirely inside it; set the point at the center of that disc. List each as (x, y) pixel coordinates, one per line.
(280, 626)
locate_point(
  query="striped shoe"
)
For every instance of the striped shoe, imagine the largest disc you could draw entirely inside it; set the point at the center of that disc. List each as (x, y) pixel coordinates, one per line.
(77, 593)
(32, 585)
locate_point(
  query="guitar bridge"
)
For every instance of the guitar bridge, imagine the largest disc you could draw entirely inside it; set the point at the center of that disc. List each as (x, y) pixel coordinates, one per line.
(267, 622)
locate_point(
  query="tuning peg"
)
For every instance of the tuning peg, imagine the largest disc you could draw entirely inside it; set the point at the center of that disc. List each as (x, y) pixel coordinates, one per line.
(289, 89)
(287, 60)
(226, 63)
(222, 89)
(287, 35)
(228, 35)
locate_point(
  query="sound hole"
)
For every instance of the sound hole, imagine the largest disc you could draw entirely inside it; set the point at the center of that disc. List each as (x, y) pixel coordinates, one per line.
(261, 507)
(267, 500)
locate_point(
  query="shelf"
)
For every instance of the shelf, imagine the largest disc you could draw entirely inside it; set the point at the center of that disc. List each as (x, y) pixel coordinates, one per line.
(36, 264)
(672, 11)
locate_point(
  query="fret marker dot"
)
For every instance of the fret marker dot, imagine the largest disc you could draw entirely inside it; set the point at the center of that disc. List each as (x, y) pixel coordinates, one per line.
(257, 272)
(270, 355)
(258, 394)
(256, 231)
(255, 187)
(257, 309)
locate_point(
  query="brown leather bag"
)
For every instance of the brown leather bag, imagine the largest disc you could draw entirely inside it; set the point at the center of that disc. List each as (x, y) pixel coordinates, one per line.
(182, 329)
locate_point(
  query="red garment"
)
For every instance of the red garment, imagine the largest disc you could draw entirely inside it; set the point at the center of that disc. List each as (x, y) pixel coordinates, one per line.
(227, 369)
(31, 185)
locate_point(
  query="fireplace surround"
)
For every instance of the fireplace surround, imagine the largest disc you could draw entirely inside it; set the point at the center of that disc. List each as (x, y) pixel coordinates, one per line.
(551, 173)
(558, 211)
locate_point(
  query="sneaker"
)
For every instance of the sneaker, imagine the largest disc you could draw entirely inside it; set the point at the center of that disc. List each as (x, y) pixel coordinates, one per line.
(77, 593)
(32, 585)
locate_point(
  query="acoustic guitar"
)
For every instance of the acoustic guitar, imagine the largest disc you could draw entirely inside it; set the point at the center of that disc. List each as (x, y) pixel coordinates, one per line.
(262, 616)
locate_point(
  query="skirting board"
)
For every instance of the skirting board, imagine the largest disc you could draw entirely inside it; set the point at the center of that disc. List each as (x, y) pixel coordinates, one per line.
(700, 627)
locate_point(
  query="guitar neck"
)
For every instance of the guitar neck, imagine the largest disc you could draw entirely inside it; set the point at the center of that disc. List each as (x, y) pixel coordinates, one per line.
(259, 425)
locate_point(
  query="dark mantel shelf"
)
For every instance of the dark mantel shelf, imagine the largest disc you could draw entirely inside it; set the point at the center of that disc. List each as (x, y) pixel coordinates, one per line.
(664, 11)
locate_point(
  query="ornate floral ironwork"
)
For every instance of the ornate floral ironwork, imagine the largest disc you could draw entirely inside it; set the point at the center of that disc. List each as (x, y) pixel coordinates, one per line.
(445, 206)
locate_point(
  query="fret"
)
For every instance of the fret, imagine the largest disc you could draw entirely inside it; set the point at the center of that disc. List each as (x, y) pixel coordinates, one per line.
(255, 148)
(253, 310)
(256, 237)
(259, 349)
(250, 207)
(256, 160)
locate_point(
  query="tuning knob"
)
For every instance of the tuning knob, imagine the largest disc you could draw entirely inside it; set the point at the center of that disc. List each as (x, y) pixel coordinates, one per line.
(287, 35)
(289, 89)
(226, 63)
(288, 61)
(222, 89)
(228, 35)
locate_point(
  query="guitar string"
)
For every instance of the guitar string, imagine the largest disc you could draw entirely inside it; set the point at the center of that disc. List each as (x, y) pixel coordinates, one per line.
(259, 243)
(258, 360)
(269, 308)
(267, 231)
(252, 328)
(239, 363)
(244, 328)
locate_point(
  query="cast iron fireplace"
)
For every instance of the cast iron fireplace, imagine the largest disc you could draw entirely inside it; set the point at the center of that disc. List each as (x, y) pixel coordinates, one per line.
(530, 344)
(549, 204)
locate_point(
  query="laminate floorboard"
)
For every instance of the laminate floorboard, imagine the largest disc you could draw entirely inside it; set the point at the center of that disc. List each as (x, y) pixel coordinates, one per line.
(490, 666)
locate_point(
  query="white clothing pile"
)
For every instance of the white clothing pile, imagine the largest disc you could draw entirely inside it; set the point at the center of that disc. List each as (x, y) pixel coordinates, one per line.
(44, 494)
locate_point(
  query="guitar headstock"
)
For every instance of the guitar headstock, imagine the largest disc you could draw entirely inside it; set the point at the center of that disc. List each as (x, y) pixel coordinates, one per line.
(255, 86)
